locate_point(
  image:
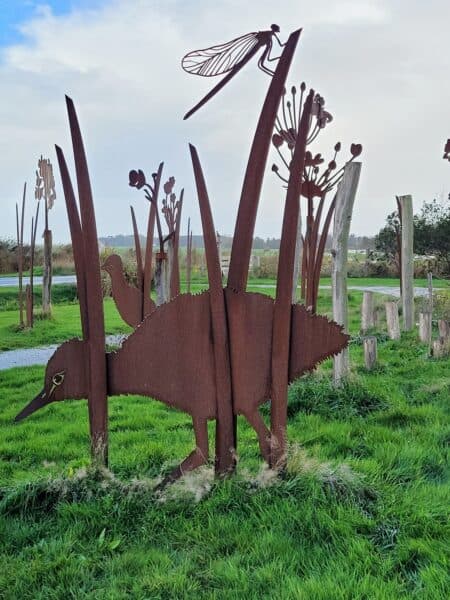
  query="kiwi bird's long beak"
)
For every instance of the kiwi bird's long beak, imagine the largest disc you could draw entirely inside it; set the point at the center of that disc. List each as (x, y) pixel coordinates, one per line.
(38, 402)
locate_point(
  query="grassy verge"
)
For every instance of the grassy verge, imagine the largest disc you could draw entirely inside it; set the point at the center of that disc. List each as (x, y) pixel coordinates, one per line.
(64, 324)
(361, 513)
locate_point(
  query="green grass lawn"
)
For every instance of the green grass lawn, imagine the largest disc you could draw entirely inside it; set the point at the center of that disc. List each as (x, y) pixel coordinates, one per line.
(362, 511)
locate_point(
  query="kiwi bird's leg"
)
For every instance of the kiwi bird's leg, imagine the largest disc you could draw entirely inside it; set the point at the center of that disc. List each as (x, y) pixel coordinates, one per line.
(264, 436)
(196, 458)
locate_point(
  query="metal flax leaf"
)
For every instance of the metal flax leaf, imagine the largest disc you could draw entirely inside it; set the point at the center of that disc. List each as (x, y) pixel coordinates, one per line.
(77, 240)
(251, 188)
(225, 439)
(97, 364)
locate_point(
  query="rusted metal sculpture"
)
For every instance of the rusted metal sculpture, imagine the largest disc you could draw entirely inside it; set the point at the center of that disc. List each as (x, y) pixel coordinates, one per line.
(167, 275)
(188, 257)
(447, 150)
(171, 209)
(315, 184)
(248, 347)
(45, 188)
(134, 301)
(34, 224)
(230, 58)
(19, 232)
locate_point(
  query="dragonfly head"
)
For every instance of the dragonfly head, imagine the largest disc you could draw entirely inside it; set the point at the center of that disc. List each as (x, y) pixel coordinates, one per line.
(275, 28)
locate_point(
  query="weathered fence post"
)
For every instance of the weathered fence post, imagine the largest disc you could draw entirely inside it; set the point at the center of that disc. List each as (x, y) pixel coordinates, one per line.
(441, 347)
(392, 320)
(370, 352)
(367, 312)
(407, 261)
(425, 327)
(444, 328)
(345, 198)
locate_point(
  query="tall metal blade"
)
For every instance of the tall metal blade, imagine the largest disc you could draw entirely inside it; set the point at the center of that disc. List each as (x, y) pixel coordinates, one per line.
(77, 240)
(251, 188)
(148, 304)
(98, 404)
(137, 246)
(225, 438)
(281, 332)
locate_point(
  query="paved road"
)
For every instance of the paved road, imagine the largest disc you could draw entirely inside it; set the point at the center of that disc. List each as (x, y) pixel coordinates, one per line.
(56, 279)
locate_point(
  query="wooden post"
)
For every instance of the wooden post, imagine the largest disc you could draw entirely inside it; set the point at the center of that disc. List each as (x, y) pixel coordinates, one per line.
(444, 328)
(345, 198)
(393, 324)
(367, 313)
(425, 327)
(47, 274)
(430, 309)
(407, 261)
(370, 352)
(441, 347)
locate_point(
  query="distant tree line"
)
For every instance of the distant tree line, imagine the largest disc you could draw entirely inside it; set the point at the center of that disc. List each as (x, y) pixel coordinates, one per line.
(126, 241)
(431, 236)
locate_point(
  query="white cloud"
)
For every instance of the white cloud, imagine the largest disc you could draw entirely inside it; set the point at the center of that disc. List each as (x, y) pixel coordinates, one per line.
(382, 67)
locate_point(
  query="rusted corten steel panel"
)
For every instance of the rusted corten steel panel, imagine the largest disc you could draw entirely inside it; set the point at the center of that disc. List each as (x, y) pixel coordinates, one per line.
(169, 357)
(447, 150)
(97, 400)
(127, 297)
(216, 354)
(225, 433)
(134, 301)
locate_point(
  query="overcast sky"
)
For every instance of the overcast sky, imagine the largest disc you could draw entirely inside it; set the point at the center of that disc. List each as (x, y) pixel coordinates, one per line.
(382, 66)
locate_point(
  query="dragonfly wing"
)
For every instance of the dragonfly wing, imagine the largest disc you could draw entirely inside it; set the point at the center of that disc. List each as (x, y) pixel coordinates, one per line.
(220, 59)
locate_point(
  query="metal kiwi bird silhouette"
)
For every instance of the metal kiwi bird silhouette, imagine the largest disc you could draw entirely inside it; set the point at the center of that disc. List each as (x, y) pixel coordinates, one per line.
(214, 355)
(230, 58)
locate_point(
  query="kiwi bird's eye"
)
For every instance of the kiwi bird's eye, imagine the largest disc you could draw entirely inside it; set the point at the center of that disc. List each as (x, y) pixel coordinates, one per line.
(58, 378)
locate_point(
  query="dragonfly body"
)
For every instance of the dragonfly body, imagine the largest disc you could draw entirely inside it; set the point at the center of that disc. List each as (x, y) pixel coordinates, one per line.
(229, 58)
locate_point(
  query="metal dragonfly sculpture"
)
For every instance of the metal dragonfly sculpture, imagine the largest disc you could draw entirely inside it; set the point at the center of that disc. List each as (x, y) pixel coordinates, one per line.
(230, 58)
(233, 349)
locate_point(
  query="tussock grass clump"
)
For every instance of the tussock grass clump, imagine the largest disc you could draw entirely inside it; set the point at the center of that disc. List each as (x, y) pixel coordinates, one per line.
(318, 395)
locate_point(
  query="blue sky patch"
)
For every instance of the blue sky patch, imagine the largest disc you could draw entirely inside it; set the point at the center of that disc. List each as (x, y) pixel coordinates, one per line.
(15, 12)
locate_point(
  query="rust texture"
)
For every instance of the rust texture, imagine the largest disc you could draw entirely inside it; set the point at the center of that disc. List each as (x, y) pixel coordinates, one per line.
(134, 301)
(233, 349)
(283, 299)
(167, 261)
(34, 224)
(447, 150)
(19, 233)
(188, 257)
(225, 434)
(316, 182)
(171, 209)
(97, 399)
